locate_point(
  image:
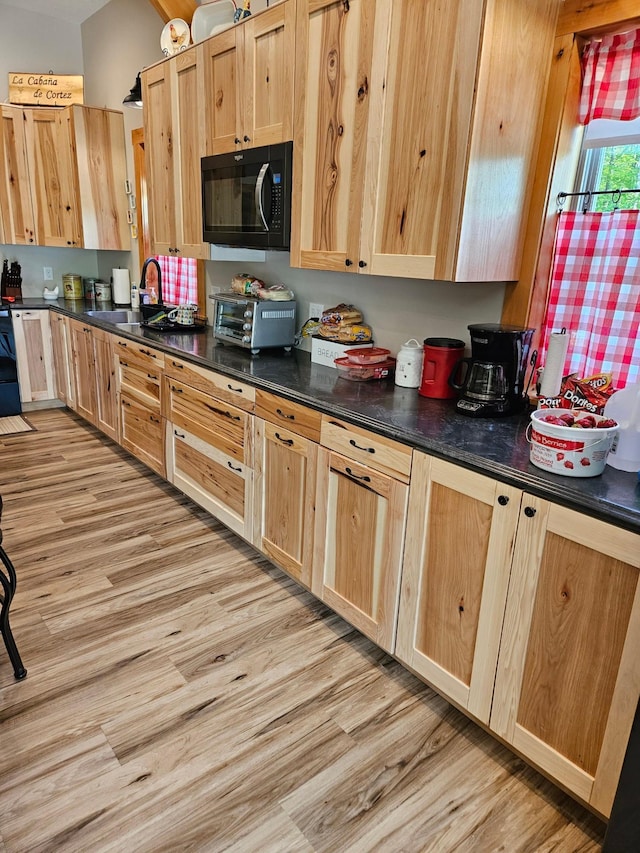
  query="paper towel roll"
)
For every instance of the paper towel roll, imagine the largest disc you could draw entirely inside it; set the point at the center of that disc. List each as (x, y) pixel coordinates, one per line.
(554, 365)
(121, 286)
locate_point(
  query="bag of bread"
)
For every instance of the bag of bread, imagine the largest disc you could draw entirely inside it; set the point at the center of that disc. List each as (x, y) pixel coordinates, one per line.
(246, 285)
(341, 315)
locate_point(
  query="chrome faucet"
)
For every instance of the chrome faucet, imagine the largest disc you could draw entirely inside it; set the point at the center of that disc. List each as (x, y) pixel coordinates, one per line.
(143, 279)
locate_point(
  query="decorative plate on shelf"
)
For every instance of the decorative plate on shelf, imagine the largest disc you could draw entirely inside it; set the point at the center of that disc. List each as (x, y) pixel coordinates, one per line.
(176, 36)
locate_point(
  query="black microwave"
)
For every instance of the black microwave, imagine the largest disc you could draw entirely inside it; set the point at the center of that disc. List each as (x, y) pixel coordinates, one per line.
(246, 197)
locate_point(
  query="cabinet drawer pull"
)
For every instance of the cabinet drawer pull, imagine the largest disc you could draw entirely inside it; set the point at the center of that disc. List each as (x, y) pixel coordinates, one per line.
(358, 447)
(285, 415)
(175, 364)
(179, 434)
(151, 376)
(126, 403)
(236, 390)
(287, 441)
(503, 500)
(122, 344)
(148, 352)
(177, 390)
(124, 364)
(233, 467)
(223, 413)
(364, 478)
(529, 511)
(154, 419)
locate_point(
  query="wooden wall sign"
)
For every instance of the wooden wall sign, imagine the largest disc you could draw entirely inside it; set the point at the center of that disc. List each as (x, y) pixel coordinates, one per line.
(45, 90)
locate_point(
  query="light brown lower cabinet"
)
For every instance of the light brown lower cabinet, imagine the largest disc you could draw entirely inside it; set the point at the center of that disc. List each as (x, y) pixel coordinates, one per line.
(359, 532)
(209, 453)
(139, 385)
(65, 383)
(287, 437)
(106, 387)
(84, 370)
(34, 355)
(527, 614)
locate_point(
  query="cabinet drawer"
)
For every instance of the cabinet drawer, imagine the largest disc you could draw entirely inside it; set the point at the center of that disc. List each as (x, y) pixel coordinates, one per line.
(293, 416)
(220, 386)
(367, 447)
(140, 382)
(219, 424)
(145, 356)
(142, 433)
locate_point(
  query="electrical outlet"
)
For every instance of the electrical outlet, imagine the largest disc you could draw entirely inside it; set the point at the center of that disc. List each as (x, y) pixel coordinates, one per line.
(316, 309)
(48, 273)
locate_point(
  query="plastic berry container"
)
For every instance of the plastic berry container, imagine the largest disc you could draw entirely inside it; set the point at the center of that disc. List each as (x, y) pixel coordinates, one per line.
(364, 372)
(367, 355)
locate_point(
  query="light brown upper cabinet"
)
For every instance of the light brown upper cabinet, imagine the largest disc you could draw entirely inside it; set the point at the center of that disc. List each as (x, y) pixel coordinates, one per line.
(62, 177)
(174, 133)
(17, 210)
(415, 131)
(248, 79)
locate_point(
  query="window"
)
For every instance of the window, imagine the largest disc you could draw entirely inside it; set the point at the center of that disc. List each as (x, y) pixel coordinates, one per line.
(610, 160)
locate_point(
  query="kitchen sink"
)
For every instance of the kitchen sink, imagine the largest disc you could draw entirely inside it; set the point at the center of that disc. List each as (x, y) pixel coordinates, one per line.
(117, 316)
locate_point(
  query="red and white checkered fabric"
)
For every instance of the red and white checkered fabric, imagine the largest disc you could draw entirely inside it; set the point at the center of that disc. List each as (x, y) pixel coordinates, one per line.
(179, 280)
(595, 294)
(611, 78)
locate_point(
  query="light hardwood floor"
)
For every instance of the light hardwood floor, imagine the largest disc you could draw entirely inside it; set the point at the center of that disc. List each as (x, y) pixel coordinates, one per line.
(184, 694)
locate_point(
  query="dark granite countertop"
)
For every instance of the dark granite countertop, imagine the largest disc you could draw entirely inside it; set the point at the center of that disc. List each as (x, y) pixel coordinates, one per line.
(496, 447)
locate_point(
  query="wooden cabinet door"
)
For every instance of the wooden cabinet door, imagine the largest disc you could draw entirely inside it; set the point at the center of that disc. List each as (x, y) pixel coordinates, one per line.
(100, 159)
(17, 207)
(359, 536)
(188, 138)
(105, 377)
(159, 157)
(84, 369)
(54, 188)
(568, 677)
(460, 532)
(285, 481)
(64, 375)
(34, 355)
(334, 50)
(223, 89)
(267, 50)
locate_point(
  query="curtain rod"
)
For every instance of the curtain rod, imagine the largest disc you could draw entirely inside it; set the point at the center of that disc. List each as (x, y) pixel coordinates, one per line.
(588, 193)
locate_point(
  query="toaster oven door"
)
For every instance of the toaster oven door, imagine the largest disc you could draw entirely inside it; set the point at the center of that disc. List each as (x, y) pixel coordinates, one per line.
(232, 321)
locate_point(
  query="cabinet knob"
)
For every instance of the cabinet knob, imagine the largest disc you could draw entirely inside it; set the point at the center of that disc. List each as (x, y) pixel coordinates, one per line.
(362, 264)
(348, 262)
(503, 500)
(529, 511)
(246, 138)
(237, 141)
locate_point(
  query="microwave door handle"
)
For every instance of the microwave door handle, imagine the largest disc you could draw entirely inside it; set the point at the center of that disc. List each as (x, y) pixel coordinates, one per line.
(259, 184)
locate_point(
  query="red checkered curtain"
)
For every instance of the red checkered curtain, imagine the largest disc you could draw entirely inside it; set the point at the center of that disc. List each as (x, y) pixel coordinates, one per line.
(179, 280)
(595, 293)
(611, 78)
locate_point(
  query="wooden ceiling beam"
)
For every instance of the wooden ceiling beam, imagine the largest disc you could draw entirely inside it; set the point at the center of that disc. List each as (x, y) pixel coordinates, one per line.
(168, 9)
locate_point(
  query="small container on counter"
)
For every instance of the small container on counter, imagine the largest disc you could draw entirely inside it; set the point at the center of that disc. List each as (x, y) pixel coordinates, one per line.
(90, 289)
(103, 291)
(348, 369)
(72, 286)
(409, 364)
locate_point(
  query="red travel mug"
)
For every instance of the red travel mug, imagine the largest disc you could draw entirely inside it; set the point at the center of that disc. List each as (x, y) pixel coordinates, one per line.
(440, 357)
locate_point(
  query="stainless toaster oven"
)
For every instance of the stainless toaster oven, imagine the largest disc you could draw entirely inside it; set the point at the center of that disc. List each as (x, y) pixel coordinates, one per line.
(253, 323)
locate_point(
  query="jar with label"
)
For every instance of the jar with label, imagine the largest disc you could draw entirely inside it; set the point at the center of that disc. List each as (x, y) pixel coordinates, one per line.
(72, 286)
(409, 364)
(102, 291)
(90, 289)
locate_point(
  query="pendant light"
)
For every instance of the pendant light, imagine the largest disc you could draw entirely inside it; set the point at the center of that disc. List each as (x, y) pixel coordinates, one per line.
(134, 98)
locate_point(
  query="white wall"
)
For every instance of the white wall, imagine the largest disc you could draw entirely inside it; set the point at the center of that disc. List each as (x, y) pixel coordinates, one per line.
(110, 48)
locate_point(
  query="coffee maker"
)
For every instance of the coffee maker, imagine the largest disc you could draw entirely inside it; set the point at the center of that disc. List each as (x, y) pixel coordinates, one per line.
(492, 382)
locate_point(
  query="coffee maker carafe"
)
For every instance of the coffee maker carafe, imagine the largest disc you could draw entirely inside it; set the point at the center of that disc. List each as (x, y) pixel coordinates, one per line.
(492, 382)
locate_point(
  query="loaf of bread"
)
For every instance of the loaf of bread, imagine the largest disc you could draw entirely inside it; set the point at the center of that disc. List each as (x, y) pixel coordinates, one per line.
(341, 315)
(351, 333)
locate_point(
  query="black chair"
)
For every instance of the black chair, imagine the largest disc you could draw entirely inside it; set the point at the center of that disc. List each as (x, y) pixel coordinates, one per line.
(8, 582)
